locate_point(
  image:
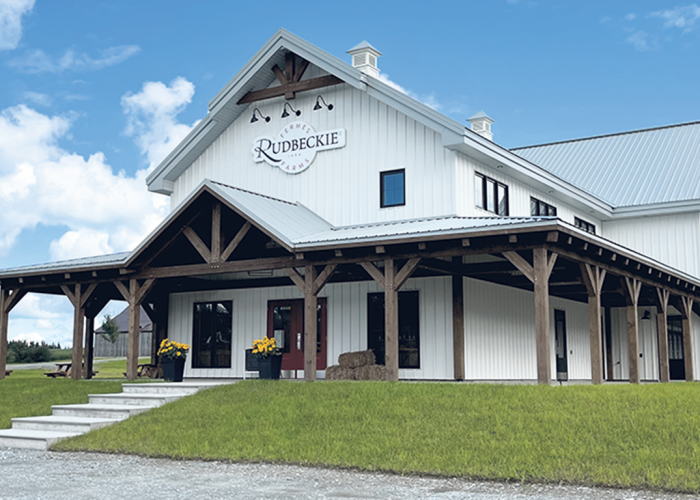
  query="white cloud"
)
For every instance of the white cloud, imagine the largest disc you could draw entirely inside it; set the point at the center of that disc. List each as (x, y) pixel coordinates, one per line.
(29, 337)
(37, 61)
(11, 12)
(430, 100)
(640, 41)
(683, 18)
(631, 16)
(152, 115)
(80, 243)
(37, 98)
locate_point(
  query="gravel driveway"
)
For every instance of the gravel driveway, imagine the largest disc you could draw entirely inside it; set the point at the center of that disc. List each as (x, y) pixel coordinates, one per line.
(47, 475)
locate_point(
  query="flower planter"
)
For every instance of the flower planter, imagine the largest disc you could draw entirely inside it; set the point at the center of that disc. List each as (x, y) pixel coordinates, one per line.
(173, 369)
(269, 367)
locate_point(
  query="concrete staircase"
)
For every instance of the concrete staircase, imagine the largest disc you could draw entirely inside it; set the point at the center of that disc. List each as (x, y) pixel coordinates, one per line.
(102, 410)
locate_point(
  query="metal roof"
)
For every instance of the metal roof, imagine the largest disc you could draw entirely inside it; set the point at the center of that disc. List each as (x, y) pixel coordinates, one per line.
(659, 165)
(111, 260)
(385, 231)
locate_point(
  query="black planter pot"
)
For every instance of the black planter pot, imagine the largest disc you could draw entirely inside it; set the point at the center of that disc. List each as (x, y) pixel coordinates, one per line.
(173, 369)
(269, 367)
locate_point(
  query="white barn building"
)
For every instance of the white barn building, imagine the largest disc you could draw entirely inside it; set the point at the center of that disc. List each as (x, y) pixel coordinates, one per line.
(311, 185)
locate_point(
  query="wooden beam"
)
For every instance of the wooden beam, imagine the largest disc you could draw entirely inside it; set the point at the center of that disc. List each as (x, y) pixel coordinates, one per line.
(632, 289)
(521, 264)
(310, 324)
(143, 290)
(662, 296)
(302, 86)
(216, 242)
(300, 70)
(198, 244)
(15, 296)
(458, 322)
(375, 273)
(69, 293)
(132, 349)
(542, 335)
(391, 322)
(78, 333)
(297, 278)
(89, 343)
(406, 272)
(323, 278)
(123, 290)
(235, 241)
(87, 294)
(593, 277)
(687, 312)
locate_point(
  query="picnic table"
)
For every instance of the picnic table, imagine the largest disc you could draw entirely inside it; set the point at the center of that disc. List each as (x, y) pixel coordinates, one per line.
(63, 370)
(8, 373)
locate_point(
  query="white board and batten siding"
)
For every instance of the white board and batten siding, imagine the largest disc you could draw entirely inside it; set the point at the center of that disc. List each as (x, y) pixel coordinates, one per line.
(500, 334)
(346, 327)
(671, 239)
(518, 193)
(341, 185)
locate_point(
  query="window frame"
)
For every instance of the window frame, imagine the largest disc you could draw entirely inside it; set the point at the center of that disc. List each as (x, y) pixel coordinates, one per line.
(197, 337)
(585, 225)
(410, 313)
(490, 197)
(382, 176)
(538, 206)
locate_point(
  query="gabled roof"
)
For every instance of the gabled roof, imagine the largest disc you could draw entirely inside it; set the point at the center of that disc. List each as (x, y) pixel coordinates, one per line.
(642, 167)
(257, 74)
(122, 320)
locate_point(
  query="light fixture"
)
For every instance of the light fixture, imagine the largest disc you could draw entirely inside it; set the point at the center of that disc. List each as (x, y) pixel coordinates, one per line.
(255, 118)
(646, 315)
(295, 111)
(318, 104)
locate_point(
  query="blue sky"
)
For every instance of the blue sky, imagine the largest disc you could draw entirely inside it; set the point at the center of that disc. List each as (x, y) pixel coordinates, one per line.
(95, 93)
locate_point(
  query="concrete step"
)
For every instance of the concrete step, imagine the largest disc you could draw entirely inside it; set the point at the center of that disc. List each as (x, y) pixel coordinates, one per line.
(115, 412)
(31, 439)
(134, 399)
(168, 387)
(79, 425)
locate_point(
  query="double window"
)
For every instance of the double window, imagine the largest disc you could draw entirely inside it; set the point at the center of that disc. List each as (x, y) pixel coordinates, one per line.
(211, 335)
(490, 195)
(538, 207)
(409, 338)
(586, 226)
(393, 188)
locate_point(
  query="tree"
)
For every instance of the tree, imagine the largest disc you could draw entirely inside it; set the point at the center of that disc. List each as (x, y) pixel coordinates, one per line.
(109, 325)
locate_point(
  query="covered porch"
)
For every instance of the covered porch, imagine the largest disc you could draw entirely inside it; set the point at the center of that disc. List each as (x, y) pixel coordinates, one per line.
(223, 238)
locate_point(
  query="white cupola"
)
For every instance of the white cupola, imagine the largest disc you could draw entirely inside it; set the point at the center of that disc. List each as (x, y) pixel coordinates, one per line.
(481, 124)
(364, 58)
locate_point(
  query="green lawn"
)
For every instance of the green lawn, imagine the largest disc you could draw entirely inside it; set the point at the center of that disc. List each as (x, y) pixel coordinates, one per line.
(27, 393)
(621, 435)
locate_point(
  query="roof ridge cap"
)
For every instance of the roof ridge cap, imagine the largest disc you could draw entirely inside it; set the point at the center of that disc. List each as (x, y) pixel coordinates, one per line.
(252, 192)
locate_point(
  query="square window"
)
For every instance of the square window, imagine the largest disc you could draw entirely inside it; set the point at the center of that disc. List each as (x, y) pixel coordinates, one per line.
(393, 188)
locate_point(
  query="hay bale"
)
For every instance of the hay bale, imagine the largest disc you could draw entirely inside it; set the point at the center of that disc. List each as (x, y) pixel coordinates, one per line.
(356, 359)
(336, 372)
(371, 372)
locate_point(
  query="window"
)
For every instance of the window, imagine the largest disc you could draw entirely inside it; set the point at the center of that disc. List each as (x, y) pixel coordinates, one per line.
(490, 195)
(538, 207)
(409, 338)
(393, 188)
(586, 226)
(211, 335)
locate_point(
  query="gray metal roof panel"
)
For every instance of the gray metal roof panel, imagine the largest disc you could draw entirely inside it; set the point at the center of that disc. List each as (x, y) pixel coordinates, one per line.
(385, 231)
(660, 165)
(111, 260)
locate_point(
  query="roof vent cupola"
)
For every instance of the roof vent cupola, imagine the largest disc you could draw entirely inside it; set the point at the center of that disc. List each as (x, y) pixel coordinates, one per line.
(364, 58)
(481, 124)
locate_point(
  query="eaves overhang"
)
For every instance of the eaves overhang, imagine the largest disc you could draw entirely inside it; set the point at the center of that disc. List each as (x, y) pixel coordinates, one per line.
(656, 209)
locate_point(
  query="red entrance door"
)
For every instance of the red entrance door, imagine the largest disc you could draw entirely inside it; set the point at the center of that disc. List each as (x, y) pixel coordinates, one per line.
(285, 323)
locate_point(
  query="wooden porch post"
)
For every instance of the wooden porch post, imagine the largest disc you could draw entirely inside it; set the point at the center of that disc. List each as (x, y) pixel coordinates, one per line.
(9, 298)
(593, 278)
(687, 313)
(458, 321)
(78, 297)
(4, 320)
(632, 288)
(538, 273)
(662, 332)
(391, 280)
(134, 295)
(311, 284)
(310, 324)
